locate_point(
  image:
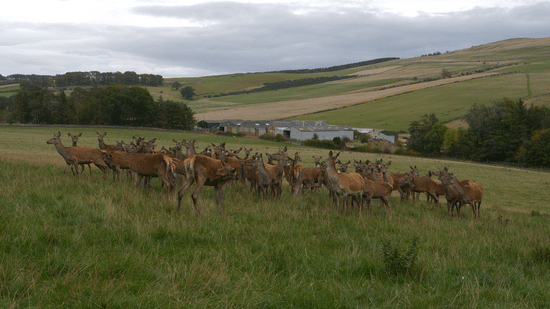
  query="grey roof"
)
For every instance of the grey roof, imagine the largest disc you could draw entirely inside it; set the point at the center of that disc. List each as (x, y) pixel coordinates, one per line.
(324, 128)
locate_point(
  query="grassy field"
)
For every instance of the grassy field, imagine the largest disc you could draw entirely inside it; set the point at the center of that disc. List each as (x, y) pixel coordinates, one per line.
(448, 102)
(94, 243)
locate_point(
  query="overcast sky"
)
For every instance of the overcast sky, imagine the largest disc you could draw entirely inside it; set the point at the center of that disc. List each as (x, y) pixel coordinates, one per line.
(200, 37)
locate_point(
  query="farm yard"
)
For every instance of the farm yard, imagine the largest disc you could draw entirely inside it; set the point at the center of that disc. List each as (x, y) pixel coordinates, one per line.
(89, 242)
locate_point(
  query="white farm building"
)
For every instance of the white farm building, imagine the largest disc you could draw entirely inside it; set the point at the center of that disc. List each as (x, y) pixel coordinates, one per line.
(322, 132)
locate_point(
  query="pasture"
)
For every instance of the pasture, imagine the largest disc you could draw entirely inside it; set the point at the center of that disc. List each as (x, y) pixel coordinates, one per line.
(94, 243)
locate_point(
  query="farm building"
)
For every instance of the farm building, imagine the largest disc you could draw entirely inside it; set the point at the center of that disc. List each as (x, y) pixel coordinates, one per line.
(322, 132)
(376, 134)
(296, 129)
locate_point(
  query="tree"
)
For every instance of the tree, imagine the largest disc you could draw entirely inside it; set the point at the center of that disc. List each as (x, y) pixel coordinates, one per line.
(176, 85)
(418, 131)
(446, 74)
(434, 139)
(536, 152)
(187, 92)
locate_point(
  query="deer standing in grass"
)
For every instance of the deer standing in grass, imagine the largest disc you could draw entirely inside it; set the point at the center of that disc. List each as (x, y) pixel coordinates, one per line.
(343, 184)
(79, 155)
(471, 193)
(75, 138)
(102, 144)
(375, 189)
(206, 171)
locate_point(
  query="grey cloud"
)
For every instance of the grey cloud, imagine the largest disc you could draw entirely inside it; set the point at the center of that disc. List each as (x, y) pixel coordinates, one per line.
(237, 37)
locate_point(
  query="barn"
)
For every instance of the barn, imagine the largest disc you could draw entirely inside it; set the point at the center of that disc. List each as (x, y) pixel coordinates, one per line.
(321, 132)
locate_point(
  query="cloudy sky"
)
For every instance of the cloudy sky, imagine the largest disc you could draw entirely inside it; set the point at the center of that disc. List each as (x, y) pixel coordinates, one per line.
(200, 37)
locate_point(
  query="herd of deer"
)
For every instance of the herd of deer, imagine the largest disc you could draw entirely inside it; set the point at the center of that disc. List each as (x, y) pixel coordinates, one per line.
(219, 167)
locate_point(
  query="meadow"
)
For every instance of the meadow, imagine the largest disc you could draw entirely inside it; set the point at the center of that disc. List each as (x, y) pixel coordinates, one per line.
(97, 244)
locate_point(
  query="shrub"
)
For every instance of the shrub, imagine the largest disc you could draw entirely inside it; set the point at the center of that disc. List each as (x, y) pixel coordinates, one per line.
(400, 263)
(321, 144)
(365, 139)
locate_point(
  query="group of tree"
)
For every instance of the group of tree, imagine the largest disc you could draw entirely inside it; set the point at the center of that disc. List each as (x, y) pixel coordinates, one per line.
(503, 131)
(94, 78)
(75, 79)
(115, 104)
(338, 67)
(284, 84)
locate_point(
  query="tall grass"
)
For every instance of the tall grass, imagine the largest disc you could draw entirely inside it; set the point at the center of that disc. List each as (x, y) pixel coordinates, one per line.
(94, 243)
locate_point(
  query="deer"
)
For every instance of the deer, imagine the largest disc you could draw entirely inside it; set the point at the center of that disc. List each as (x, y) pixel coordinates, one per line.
(310, 177)
(293, 170)
(79, 155)
(102, 144)
(75, 138)
(205, 171)
(375, 189)
(263, 179)
(317, 161)
(152, 165)
(469, 194)
(178, 146)
(427, 185)
(117, 160)
(343, 184)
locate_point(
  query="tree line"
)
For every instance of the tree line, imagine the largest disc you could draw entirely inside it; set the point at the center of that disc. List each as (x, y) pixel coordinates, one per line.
(115, 104)
(503, 131)
(93, 78)
(338, 67)
(286, 84)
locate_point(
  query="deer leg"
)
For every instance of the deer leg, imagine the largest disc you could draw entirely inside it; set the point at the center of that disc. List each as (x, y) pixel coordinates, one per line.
(188, 182)
(196, 192)
(218, 193)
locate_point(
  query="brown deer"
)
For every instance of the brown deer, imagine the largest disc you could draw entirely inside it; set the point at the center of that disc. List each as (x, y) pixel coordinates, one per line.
(375, 189)
(292, 170)
(310, 177)
(317, 160)
(206, 171)
(79, 155)
(427, 185)
(75, 138)
(153, 165)
(263, 179)
(469, 194)
(117, 160)
(102, 144)
(343, 184)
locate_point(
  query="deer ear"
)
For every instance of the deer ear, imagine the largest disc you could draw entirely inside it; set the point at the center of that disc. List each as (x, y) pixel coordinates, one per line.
(79, 135)
(69, 134)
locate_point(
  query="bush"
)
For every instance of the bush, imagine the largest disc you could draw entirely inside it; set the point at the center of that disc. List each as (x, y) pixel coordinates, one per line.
(400, 263)
(321, 144)
(271, 137)
(336, 141)
(365, 139)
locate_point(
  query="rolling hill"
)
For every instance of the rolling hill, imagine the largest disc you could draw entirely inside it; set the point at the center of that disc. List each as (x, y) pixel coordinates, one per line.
(386, 95)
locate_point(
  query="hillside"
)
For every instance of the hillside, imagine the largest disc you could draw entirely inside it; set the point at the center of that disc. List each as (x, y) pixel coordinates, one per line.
(387, 95)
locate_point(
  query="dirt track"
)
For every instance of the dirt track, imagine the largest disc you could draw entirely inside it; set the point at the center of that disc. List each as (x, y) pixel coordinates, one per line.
(293, 108)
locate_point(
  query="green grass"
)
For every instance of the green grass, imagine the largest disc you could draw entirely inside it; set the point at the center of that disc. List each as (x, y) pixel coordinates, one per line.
(94, 243)
(303, 92)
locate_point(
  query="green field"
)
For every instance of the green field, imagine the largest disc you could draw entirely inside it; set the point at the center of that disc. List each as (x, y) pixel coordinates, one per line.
(448, 102)
(94, 243)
